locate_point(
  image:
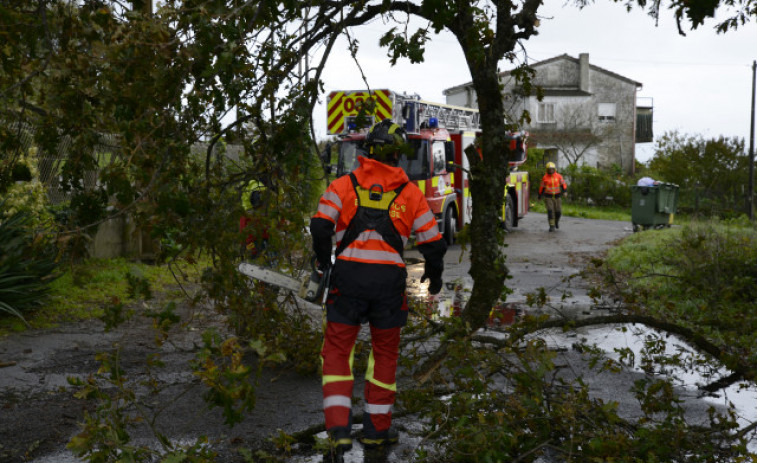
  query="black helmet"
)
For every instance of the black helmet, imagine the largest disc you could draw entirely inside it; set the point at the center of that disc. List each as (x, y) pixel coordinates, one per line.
(385, 139)
(386, 132)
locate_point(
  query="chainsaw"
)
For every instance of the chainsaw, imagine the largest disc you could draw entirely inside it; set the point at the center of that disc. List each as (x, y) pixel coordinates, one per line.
(311, 291)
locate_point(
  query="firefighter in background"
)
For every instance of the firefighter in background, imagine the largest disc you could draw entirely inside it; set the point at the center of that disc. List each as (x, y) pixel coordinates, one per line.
(254, 197)
(552, 188)
(372, 212)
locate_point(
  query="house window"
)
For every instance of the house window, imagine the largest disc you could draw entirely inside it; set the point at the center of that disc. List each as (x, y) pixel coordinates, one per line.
(546, 113)
(606, 112)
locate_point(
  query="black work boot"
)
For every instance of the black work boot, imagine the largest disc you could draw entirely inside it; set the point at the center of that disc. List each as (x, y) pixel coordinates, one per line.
(376, 455)
(338, 447)
(381, 439)
(557, 220)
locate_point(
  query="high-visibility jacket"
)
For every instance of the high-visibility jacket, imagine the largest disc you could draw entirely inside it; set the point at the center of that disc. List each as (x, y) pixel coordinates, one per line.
(552, 184)
(370, 264)
(252, 195)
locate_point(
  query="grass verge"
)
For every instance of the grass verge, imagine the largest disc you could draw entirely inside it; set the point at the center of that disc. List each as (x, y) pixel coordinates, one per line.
(587, 212)
(702, 275)
(83, 290)
(621, 214)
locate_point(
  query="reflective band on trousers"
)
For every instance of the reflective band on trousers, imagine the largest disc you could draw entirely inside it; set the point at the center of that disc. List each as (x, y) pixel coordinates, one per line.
(328, 379)
(371, 377)
(337, 401)
(378, 409)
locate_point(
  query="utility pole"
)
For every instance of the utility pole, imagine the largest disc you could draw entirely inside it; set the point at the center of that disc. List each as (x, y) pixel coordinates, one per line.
(750, 192)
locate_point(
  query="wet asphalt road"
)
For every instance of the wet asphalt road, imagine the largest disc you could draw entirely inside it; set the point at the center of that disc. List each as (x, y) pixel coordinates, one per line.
(537, 259)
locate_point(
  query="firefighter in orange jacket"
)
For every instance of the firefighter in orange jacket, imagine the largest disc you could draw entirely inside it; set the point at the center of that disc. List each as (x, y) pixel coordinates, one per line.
(552, 188)
(372, 212)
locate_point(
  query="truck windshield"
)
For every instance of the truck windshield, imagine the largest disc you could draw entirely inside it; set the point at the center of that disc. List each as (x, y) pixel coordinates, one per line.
(348, 153)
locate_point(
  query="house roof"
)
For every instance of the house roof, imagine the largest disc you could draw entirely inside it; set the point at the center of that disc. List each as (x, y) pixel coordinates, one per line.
(564, 56)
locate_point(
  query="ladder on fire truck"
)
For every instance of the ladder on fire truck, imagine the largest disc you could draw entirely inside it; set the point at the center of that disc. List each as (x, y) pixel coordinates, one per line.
(417, 114)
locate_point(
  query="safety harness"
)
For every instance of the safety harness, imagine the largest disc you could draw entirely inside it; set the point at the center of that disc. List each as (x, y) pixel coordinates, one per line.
(372, 213)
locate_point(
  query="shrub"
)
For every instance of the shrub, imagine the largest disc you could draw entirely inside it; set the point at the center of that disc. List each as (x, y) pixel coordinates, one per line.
(590, 185)
(587, 185)
(26, 192)
(703, 275)
(27, 265)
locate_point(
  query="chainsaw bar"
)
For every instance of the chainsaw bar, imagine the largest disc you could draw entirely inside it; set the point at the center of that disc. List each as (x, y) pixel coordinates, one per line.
(269, 276)
(280, 280)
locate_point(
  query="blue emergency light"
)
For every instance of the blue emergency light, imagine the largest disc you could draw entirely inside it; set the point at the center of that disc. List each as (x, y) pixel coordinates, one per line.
(433, 123)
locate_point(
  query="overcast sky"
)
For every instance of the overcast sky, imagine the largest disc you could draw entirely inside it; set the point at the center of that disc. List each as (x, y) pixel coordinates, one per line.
(699, 84)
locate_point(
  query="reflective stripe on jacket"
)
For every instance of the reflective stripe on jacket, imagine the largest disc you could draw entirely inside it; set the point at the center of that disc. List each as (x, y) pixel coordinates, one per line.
(409, 213)
(552, 184)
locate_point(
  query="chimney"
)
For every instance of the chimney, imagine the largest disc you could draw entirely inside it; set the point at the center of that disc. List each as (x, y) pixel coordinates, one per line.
(583, 72)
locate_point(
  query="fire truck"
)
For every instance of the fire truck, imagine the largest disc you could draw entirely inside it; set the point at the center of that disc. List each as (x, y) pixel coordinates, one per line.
(438, 134)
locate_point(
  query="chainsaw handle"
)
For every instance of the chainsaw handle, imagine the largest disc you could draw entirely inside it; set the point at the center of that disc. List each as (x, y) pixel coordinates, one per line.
(326, 282)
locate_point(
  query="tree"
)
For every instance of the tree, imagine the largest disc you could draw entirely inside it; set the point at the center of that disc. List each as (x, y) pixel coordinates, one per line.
(713, 170)
(162, 83)
(692, 14)
(167, 81)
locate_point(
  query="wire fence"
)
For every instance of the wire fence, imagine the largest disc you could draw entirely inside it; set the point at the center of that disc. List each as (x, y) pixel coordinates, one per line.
(50, 163)
(107, 151)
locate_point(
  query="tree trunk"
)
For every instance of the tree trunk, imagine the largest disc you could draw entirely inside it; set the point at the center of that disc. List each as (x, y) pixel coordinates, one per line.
(488, 268)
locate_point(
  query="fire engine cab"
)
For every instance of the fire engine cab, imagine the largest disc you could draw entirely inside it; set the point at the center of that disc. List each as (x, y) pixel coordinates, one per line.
(438, 135)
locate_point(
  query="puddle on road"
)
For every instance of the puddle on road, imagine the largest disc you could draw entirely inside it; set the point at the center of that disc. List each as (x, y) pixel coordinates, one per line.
(451, 301)
(613, 338)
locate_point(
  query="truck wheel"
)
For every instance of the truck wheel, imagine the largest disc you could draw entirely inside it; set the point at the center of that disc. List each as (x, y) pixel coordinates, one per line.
(450, 226)
(509, 214)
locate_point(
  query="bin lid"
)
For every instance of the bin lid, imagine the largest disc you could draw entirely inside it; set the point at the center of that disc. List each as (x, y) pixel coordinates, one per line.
(661, 184)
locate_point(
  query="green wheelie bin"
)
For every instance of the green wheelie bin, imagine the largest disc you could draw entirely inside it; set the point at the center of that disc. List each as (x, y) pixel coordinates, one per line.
(653, 206)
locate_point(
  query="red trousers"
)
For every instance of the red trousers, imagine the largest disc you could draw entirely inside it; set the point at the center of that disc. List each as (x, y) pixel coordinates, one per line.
(342, 328)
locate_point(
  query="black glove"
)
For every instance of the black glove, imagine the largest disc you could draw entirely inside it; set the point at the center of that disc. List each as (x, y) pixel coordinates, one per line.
(435, 285)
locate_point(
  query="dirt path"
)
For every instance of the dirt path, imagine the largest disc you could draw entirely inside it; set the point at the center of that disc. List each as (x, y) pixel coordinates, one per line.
(39, 415)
